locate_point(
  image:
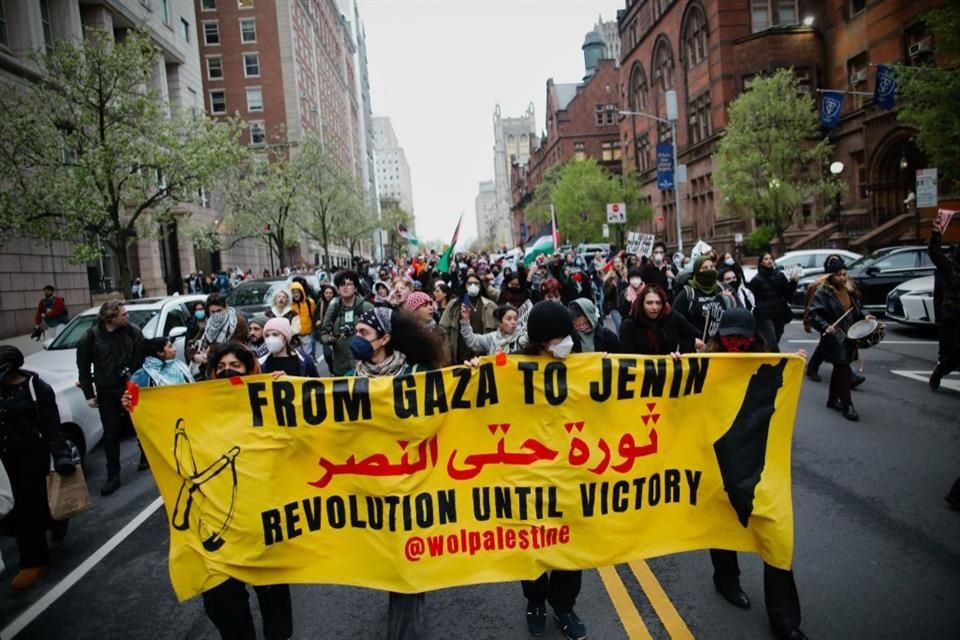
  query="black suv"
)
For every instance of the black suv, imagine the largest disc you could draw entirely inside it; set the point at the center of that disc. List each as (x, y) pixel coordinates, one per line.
(877, 274)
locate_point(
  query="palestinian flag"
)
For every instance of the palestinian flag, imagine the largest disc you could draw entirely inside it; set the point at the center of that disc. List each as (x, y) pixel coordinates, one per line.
(403, 233)
(444, 265)
(545, 244)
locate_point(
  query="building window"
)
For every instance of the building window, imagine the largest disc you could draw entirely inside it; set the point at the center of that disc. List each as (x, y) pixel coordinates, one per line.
(611, 114)
(208, 5)
(218, 101)
(254, 99)
(610, 151)
(251, 65)
(185, 28)
(637, 98)
(245, 4)
(698, 118)
(211, 34)
(598, 114)
(772, 13)
(857, 73)
(579, 151)
(660, 7)
(663, 65)
(258, 134)
(643, 152)
(856, 6)
(214, 68)
(4, 38)
(248, 30)
(695, 38)
(165, 11)
(47, 26)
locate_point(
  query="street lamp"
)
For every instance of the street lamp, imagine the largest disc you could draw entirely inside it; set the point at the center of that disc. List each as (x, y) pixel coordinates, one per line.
(671, 119)
(836, 168)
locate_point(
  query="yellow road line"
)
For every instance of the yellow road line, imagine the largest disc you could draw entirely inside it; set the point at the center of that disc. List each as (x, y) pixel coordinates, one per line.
(623, 603)
(671, 620)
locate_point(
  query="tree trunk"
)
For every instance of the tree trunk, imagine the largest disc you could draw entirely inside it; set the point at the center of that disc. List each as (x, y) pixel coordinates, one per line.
(122, 260)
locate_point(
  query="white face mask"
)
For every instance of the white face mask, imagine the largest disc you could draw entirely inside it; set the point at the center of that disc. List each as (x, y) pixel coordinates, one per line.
(473, 290)
(274, 343)
(636, 282)
(563, 348)
(657, 257)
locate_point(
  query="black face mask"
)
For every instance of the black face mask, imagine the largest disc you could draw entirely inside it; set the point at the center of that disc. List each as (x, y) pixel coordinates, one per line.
(228, 373)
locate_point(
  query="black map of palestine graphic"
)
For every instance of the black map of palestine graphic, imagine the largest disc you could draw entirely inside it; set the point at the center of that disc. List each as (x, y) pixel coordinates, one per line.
(741, 451)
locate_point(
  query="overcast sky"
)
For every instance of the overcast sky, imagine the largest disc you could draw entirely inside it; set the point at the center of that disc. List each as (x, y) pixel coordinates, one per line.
(439, 67)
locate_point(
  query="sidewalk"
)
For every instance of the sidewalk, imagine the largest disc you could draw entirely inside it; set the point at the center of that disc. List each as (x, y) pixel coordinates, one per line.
(25, 344)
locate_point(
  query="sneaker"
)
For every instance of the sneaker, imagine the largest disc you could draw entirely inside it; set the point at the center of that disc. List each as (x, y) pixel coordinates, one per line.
(935, 378)
(26, 578)
(536, 618)
(571, 625)
(111, 485)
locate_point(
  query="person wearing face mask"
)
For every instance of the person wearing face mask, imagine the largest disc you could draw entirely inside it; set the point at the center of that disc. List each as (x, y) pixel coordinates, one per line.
(223, 325)
(227, 605)
(506, 338)
(738, 334)
(773, 292)
(730, 262)
(591, 334)
(481, 317)
(550, 332)
(732, 283)
(658, 270)
(283, 356)
(393, 343)
(30, 433)
(629, 294)
(702, 301)
(653, 328)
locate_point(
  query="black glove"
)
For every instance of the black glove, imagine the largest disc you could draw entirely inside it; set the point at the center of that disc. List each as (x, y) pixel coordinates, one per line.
(37, 333)
(63, 462)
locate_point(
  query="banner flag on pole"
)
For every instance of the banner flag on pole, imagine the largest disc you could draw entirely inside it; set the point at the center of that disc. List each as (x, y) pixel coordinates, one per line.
(444, 265)
(885, 89)
(409, 237)
(545, 244)
(830, 107)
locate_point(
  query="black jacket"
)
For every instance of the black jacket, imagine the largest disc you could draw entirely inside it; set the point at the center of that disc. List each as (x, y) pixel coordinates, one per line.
(947, 279)
(772, 291)
(114, 356)
(825, 309)
(670, 332)
(25, 423)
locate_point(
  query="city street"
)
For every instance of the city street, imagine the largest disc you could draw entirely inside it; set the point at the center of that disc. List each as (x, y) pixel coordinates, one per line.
(877, 549)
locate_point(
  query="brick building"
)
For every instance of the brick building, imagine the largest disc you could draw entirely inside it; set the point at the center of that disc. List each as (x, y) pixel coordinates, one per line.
(707, 50)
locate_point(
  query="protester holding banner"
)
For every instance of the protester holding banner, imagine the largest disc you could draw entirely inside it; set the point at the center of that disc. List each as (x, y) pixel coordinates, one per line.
(653, 328)
(550, 332)
(832, 312)
(773, 292)
(703, 301)
(394, 343)
(948, 313)
(160, 365)
(227, 605)
(738, 334)
(281, 354)
(30, 433)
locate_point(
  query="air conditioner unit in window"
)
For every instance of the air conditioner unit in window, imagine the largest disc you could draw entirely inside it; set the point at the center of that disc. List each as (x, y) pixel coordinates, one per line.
(858, 77)
(920, 47)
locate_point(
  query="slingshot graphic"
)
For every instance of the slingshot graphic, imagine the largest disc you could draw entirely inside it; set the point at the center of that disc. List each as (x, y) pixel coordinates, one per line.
(193, 479)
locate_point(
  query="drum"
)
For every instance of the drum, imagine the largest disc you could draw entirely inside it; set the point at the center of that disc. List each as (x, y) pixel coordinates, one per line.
(866, 333)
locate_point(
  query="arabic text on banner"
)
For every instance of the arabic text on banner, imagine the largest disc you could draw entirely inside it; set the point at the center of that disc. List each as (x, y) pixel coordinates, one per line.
(463, 476)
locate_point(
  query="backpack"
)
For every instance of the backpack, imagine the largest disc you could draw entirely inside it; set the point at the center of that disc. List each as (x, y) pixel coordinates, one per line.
(729, 302)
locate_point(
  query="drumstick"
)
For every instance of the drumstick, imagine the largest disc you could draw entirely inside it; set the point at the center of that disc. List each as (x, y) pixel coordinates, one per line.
(841, 318)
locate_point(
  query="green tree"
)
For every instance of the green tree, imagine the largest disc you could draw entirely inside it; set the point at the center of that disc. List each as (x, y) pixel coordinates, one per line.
(929, 96)
(580, 191)
(771, 159)
(89, 155)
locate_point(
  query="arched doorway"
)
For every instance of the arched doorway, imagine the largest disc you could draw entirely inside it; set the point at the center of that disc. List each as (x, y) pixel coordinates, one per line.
(893, 176)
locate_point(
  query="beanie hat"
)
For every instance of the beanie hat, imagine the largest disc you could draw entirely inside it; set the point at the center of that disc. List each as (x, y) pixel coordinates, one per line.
(737, 322)
(281, 326)
(834, 264)
(699, 261)
(260, 321)
(416, 300)
(548, 320)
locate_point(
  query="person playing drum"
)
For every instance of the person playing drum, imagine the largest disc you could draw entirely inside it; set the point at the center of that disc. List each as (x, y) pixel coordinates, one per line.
(833, 312)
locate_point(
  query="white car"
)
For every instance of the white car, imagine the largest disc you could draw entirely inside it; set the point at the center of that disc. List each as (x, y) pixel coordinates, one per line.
(911, 302)
(811, 260)
(57, 363)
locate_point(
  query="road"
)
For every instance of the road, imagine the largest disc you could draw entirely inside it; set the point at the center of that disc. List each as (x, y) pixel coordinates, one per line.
(877, 551)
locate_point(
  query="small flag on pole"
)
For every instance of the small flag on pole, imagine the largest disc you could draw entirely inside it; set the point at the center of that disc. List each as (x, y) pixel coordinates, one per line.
(409, 237)
(831, 104)
(444, 265)
(885, 90)
(545, 244)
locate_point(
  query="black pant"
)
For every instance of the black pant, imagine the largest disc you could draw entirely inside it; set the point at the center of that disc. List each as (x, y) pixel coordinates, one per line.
(115, 420)
(30, 515)
(949, 356)
(559, 588)
(767, 328)
(228, 607)
(841, 382)
(779, 588)
(405, 616)
(815, 359)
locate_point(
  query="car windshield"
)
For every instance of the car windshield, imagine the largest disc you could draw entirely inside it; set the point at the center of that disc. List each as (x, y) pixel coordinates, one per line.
(251, 293)
(868, 259)
(74, 330)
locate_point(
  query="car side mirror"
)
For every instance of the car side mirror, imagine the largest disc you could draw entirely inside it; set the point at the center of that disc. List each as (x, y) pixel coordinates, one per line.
(872, 271)
(177, 332)
(47, 343)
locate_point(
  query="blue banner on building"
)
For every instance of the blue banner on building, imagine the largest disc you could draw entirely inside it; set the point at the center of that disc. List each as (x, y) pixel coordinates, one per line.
(885, 90)
(664, 166)
(830, 107)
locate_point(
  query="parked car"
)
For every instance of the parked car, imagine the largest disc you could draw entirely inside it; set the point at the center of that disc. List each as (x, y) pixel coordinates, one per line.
(57, 363)
(876, 274)
(811, 260)
(251, 297)
(912, 302)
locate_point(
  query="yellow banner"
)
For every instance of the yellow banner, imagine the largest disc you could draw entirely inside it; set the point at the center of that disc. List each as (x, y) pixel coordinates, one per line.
(463, 476)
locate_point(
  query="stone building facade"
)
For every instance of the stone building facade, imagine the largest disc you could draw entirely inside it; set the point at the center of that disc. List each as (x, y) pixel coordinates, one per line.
(512, 140)
(485, 207)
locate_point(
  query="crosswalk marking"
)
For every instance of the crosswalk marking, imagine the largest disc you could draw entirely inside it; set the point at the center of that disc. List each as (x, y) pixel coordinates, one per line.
(951, 381)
